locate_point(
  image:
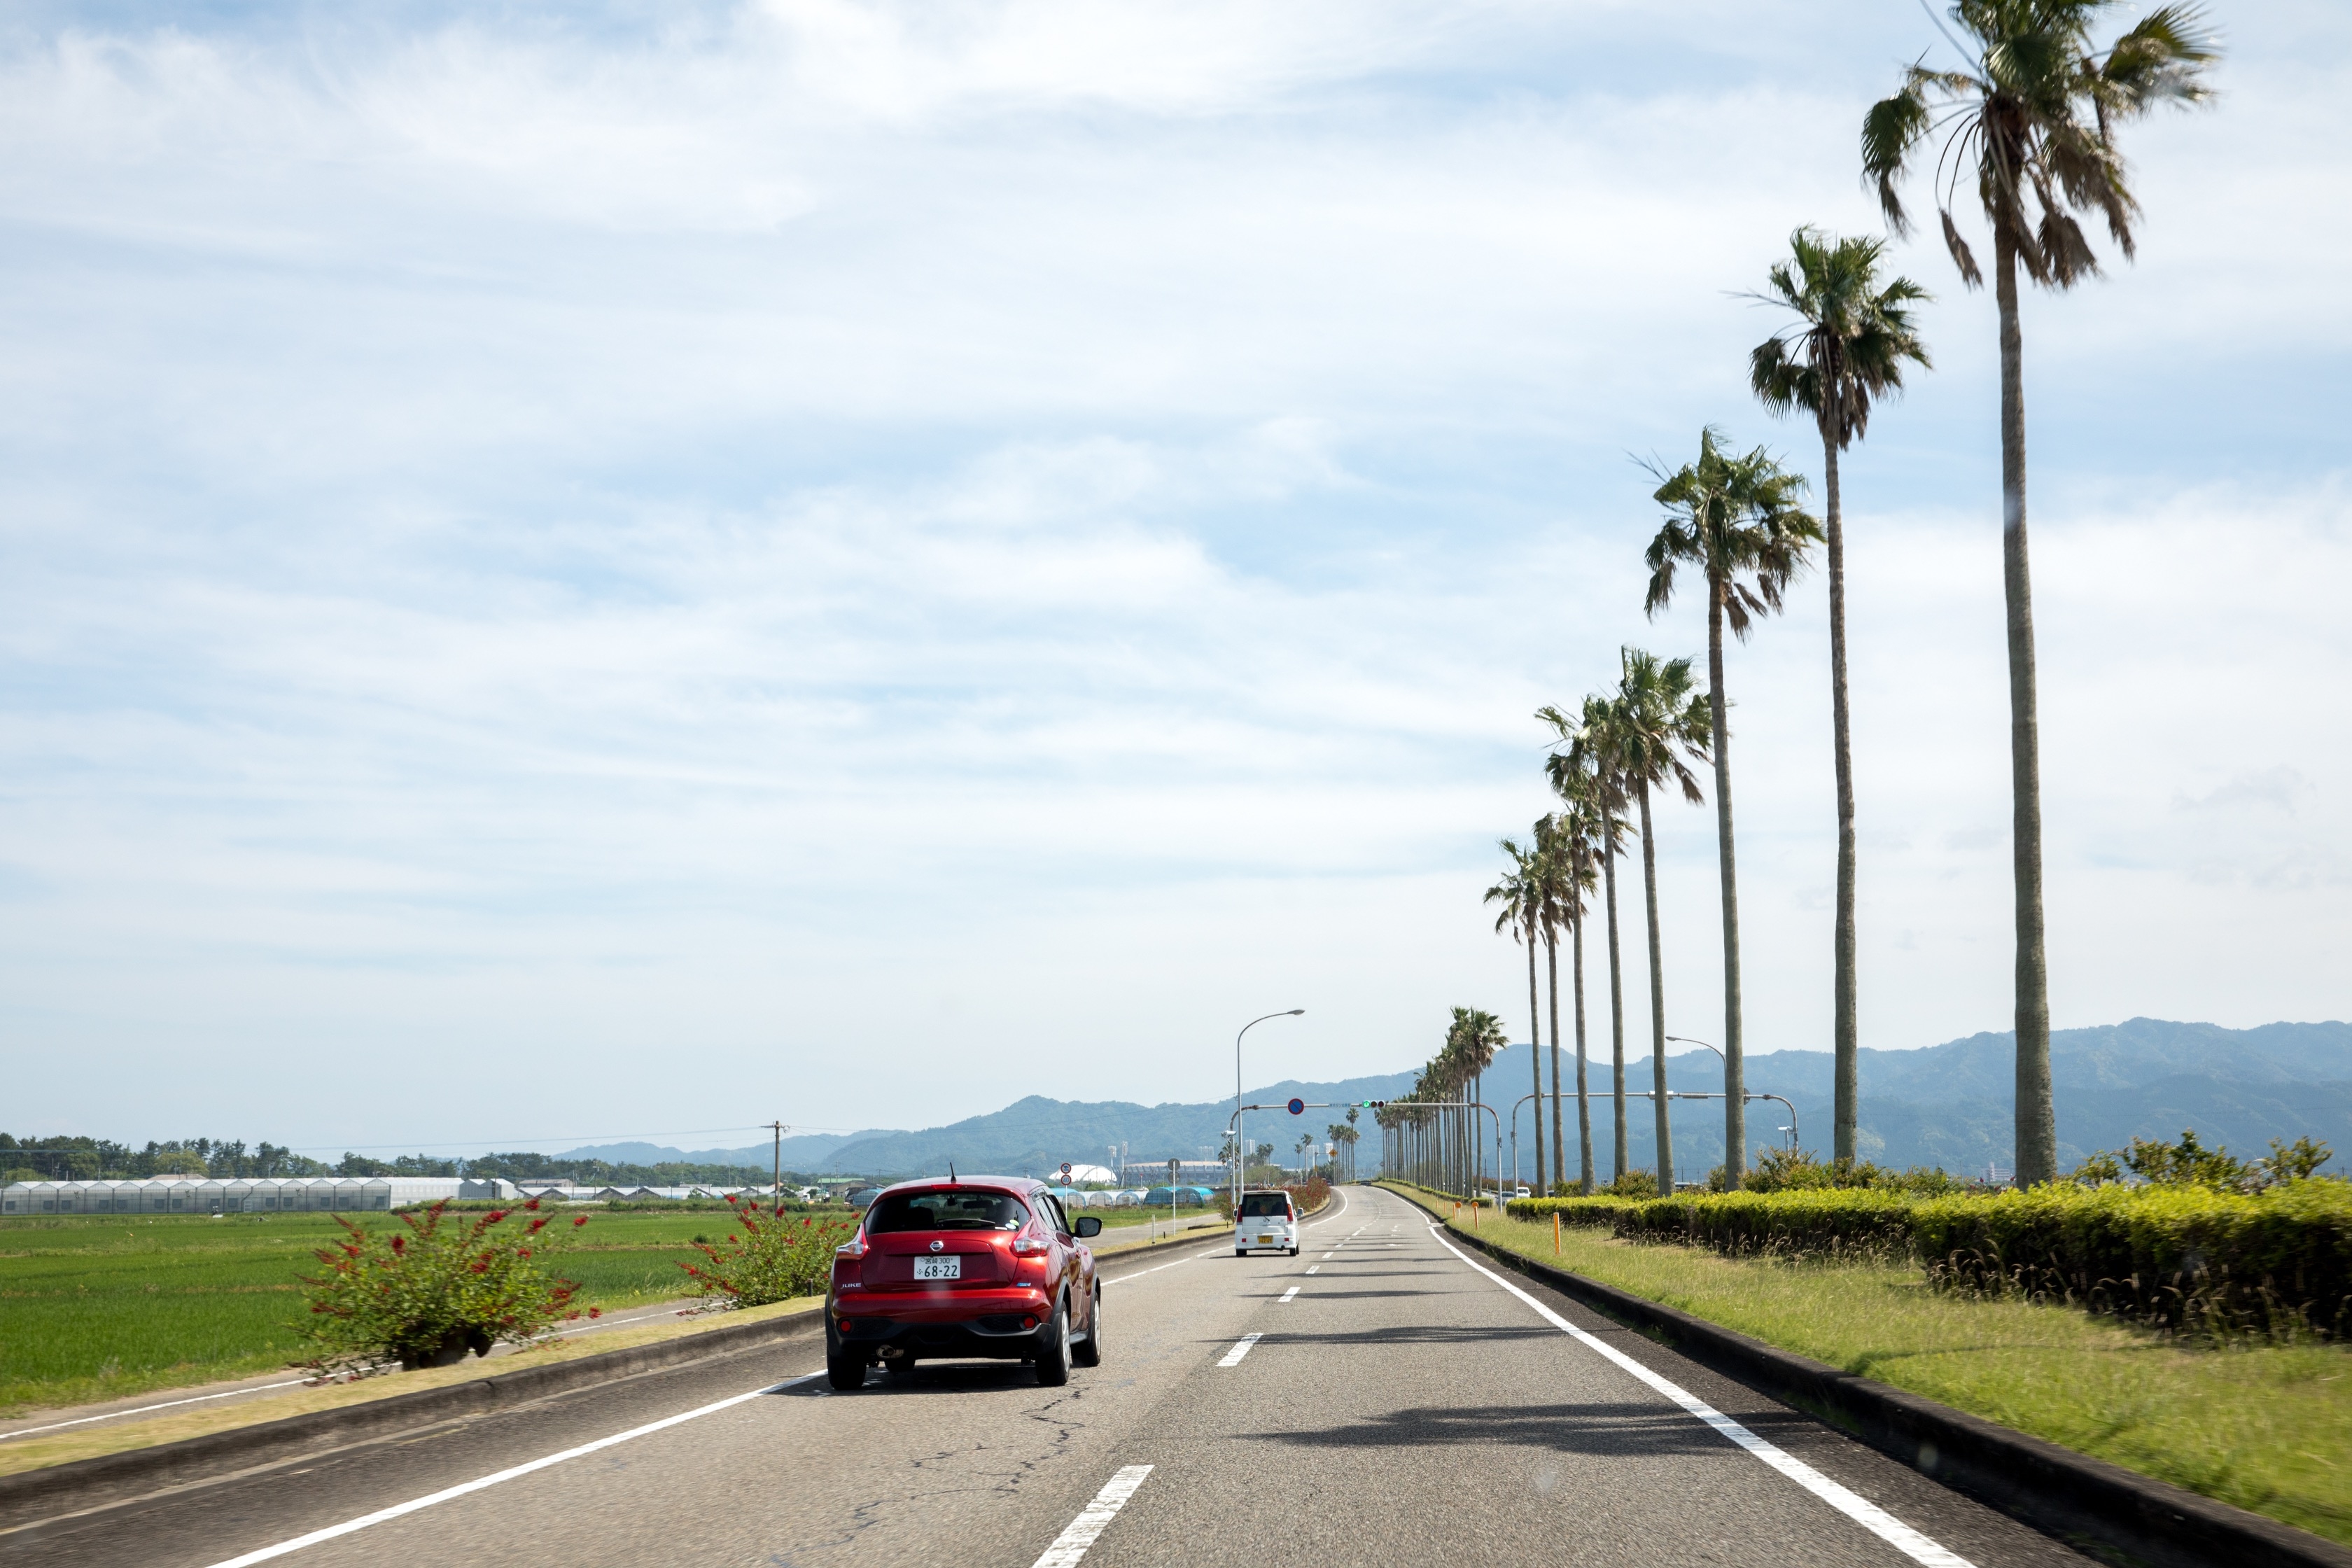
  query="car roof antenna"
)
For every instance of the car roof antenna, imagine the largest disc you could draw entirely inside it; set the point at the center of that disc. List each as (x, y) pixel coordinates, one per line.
(951, 1175)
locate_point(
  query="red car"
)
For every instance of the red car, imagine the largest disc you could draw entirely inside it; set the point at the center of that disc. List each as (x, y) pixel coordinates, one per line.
(986, 1265)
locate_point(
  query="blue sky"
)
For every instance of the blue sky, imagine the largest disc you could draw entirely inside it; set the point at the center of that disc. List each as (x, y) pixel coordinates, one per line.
(628, 570)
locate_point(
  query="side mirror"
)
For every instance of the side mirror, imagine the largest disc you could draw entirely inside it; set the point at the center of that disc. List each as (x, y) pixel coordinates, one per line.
(1089, 1224)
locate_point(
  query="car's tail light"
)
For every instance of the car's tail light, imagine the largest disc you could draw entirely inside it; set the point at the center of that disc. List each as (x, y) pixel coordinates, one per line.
(1026, 1245)
(853, 1247)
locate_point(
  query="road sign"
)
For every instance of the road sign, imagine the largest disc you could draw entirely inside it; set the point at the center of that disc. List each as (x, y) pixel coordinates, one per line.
(1066, 1173)
(1298, 1107)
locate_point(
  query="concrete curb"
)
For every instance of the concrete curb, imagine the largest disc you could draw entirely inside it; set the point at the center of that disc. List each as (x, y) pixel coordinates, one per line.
(83, 1484)
(2104, 1509)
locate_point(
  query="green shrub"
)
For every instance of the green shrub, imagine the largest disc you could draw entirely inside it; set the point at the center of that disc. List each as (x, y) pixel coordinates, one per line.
(1634, 1184)
(1808, 1221)
(2185, 1256)
(426, 1294)
(766, 1258)
(1600, 1210)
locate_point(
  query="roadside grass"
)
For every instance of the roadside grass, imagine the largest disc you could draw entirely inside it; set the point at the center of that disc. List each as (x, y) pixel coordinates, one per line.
(94, 1309)
(2266, 1428)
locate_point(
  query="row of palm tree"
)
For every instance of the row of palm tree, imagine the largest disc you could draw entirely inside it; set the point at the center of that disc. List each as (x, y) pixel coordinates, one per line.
(1434, 1132)
(2032, 117)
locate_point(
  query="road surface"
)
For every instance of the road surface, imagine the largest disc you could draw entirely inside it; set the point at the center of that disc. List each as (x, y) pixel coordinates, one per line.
(1384, 1397)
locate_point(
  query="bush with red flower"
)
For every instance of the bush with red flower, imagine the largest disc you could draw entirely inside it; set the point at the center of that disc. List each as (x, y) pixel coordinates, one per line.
(427, 1293)
(769, 1256)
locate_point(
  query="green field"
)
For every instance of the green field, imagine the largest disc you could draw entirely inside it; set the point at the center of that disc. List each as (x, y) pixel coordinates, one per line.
(98, 1308)
(2266, 1427)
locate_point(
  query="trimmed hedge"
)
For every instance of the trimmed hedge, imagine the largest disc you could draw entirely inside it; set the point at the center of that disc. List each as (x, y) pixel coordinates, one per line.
(2184, 1257)
(1804, 1220)
(1600, 1210)
(2180, 1257)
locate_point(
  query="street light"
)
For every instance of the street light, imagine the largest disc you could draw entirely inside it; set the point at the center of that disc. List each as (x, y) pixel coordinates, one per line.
(1241, 1159)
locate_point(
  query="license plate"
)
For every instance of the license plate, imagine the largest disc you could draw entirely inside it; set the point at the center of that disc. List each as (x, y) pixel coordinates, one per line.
(938, 1269)
(1266, 1241)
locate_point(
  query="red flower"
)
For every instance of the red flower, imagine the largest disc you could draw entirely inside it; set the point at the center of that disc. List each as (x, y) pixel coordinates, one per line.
(522, 1252)
(494, 1216)
(596, 1311)
(690, 1269)
(400, 1244)
(541, 1220)
(532, 1204)
(353, 1251)
(579, 1219)
(479, 1266)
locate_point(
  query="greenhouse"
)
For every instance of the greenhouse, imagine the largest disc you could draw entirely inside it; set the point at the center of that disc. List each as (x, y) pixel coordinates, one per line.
(260, 1195)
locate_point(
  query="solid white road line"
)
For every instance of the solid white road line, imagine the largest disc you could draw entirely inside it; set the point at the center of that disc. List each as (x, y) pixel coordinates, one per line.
(1861, 1509)
(448, 1494)
(1286, 1295)
(1157, 1268)
(143, 1409)
(1072, 1543)
(1234, 1356)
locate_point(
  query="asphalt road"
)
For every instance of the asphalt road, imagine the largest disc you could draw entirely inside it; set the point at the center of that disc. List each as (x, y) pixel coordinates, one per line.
(1382, 1397)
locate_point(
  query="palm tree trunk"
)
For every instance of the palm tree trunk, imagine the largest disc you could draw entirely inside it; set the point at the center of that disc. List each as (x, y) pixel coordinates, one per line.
(1583, 1102)
(2037, 1120)
(1657, 1002)
(1735, 1107)
(1845, 1031)
(1535, 1052)
(1551, 993)
(1616, 1013)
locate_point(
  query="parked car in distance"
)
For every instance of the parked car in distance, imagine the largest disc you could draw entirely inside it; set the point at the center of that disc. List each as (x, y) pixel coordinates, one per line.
(1267, 1220)
(986, 1265)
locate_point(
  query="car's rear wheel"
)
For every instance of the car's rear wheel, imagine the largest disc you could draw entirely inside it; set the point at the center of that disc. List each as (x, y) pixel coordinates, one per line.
(845, 1368)
(1241, 1252)
(1054, 1348)
(1088, 1351)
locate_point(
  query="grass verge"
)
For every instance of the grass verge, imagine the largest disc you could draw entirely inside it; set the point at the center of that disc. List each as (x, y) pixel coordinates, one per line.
(2266, 1428)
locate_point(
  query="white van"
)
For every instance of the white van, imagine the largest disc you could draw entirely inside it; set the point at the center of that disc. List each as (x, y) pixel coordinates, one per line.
(1267, 1219)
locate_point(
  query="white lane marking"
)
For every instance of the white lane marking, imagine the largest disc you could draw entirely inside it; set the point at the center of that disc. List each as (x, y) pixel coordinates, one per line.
(143, 1409)
(1286, 1295)
(448, 1494)
(1072, 1543)
(1329, 1256)
(1861, 1509)
(1155, 1269)
(1233, 1356)
(1312, 1270)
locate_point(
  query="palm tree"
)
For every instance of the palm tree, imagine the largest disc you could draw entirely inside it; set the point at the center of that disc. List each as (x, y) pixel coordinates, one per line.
(1556, 875)
(1585, 776)
(1655, 719)
(2036, 113)
(1475, 1038)
(1844, 351)
(1521, 894)
(1737, 520)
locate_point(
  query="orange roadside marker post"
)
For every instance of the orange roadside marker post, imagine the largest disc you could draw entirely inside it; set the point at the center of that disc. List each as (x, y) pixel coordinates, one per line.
(1555, 1233)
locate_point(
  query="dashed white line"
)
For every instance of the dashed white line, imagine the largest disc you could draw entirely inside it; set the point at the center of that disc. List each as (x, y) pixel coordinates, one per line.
(1312, 1270)
(1861, 1509)
(1286, 1295)
(1233, 1357)
(351, 1526)
(1072, 1543)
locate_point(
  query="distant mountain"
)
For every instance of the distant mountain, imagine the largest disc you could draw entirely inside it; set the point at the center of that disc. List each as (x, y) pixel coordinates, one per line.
(804, 1151)
(1952, 1105)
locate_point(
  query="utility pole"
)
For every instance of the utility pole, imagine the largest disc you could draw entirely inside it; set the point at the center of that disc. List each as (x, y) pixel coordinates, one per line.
(776, 1195)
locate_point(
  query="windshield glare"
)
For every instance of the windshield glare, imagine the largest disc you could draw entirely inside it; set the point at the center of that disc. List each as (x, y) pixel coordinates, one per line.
(1264, 1205)
(946, 1211)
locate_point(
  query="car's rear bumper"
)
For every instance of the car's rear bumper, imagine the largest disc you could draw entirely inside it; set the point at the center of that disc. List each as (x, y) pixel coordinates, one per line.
(1001, 1323)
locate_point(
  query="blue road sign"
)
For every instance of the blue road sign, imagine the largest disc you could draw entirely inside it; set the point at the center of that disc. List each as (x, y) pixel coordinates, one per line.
(1298, 1107)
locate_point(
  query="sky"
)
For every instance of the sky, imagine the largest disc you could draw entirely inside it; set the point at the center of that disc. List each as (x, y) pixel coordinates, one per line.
(570, 573)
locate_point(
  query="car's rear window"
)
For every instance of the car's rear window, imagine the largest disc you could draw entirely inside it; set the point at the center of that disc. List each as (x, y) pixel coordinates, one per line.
(947, 1211)
(1260, 1206)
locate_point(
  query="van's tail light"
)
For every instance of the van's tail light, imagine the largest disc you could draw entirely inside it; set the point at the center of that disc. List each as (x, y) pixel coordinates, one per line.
(853, 1247)
(1028, 1246)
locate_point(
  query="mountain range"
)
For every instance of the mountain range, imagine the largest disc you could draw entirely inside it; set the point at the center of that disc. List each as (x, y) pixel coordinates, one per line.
(1948, 1105)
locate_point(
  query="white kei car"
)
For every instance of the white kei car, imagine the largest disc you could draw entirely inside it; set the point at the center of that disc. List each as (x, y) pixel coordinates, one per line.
(1268, 1220)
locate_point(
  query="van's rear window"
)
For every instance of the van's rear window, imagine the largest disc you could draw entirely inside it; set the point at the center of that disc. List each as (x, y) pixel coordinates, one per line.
(946, 1211)
(1258, 1205)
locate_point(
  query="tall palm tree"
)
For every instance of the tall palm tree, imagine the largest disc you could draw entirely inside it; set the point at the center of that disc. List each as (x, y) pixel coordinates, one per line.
(1567, 840)
(1556, 877)
(1656, 718)
(1844, 351)
(1586, 776)
(1737, 520)
(2035, 113)
(1477, 1035)
(1521, 893)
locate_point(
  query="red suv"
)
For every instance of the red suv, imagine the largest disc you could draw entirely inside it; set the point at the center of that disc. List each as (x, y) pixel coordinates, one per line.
(987, 1265)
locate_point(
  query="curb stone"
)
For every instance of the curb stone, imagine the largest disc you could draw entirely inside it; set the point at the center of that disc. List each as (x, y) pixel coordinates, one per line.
(2112, 1512)
(80, 1485)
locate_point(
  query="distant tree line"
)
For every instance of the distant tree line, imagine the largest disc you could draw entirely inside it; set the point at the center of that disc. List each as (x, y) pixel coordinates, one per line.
(80, 1159)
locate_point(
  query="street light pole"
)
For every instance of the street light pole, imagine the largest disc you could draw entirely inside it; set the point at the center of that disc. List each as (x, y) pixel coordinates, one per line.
(1241, 1159)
